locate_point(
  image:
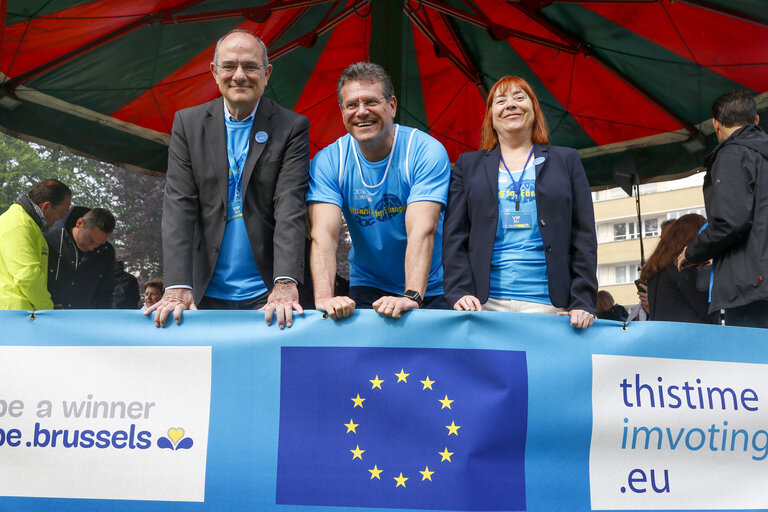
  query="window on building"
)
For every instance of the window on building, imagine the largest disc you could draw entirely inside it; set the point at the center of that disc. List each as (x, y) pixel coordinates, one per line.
(624, 274)
(651, 227)
(624, 230)
(628, 230)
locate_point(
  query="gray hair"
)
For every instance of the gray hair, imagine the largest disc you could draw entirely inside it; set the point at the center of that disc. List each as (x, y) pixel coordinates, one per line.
(366, 72)
(240, 31)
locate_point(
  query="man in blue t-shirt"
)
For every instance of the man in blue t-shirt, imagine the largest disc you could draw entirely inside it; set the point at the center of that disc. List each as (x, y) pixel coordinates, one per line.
(391, 184)
(234, 211)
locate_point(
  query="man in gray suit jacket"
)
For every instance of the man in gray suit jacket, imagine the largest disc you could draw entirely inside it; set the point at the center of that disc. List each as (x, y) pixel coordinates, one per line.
(234, 213)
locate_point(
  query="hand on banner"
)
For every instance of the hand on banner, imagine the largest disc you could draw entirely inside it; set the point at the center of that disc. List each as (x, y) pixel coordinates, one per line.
(468, 303)
(174, 301)
(394, 307)
(579, 318)
(336, 307)
(283, 300)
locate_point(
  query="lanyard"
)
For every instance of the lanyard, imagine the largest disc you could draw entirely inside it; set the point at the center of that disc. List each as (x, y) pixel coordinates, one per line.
(239, 177)
(517, 185)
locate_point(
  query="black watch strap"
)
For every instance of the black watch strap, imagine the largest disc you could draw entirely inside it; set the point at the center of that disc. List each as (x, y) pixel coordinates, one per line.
(414, 296)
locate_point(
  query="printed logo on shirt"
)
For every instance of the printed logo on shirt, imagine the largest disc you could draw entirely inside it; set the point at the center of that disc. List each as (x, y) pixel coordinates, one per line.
(388, 207)
(527, 192)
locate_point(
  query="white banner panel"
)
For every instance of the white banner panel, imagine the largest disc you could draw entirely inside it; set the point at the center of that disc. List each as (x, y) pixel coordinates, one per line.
(113, 422)
(673, 434)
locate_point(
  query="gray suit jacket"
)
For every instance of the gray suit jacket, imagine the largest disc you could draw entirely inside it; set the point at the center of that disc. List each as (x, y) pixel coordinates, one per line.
(275, 178)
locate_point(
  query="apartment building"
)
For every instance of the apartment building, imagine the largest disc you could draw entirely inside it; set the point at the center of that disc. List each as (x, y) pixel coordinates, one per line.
(618, 244)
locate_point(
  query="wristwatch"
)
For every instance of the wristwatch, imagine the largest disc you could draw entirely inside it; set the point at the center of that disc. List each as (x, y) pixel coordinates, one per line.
(414, 296)
(284, 280)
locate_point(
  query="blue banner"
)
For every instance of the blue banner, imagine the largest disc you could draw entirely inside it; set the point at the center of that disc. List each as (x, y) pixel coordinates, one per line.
(439, 410)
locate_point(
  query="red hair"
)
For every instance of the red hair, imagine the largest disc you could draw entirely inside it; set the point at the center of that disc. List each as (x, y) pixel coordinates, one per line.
(678, 235)
(488, 136)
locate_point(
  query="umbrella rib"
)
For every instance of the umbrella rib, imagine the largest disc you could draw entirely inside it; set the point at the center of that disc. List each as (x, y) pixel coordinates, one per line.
(677, 31)
(309, 39)
(429, 34)
(589, 53)
(86, 48)
(498, 32)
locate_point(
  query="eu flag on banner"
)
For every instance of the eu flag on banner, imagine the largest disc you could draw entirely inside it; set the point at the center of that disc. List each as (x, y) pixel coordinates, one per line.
(402, 428)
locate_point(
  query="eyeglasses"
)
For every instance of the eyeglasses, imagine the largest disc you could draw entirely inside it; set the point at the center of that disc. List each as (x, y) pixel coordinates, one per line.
(368, 102)
(249, 68)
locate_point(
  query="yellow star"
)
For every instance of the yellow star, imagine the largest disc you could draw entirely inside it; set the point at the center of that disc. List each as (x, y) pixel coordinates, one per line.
(446, 455)
(400, 480)
(427, 383)
(401, 377)
(445, 401)
(359, 401)
(375, 472)
(376, 382)
(453, 429)
(426, 474)
(357, 453)
(351, 426)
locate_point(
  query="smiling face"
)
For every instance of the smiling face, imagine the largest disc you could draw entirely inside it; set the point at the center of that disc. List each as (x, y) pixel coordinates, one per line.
(513, 112)
(241, 89)
(369, 117)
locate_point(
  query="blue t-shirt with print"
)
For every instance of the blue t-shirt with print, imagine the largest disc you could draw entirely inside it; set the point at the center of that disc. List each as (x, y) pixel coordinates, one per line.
(236, 276)
(518, 265)
(373, 197)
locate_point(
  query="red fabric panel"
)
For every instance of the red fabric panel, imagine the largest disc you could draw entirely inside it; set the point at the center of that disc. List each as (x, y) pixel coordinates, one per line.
(191, 84)
(347, 44)
(453, 103)
(28, 45)
(607, 108)
(733, 48)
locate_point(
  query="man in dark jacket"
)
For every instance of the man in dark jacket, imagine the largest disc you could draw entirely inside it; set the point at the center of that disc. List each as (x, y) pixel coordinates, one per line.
(736, 199)
(81, 261)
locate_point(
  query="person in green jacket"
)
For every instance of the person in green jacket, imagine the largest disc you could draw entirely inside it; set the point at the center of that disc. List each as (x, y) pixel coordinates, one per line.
(24, 251)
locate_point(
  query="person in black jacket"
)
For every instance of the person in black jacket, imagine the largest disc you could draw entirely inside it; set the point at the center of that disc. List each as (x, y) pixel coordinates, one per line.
(736, 200)
(126, 293)
(519, 230)
(672, 295)
(81, 260)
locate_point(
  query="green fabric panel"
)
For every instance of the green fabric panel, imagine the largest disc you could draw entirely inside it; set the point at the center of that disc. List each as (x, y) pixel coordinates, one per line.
(22, 10)
(292, 71)
(755, 8)
(497, 58)
(411, 98)
(668, 159)
(686, 88)
(109, 77)
(98, 141)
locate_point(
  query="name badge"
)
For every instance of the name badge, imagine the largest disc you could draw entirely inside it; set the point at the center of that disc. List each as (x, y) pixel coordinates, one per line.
(516, 220)
(234, 209)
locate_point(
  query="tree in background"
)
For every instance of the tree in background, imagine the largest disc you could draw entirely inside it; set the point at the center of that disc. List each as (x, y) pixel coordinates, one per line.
(135, 199)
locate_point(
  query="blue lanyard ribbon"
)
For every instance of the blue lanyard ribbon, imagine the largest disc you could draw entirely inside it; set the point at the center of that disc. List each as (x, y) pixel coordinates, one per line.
(239, 178)
(517, 185)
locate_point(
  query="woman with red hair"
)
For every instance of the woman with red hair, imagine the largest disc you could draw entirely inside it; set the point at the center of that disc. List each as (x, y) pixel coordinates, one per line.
(672, 294)
(519, 229)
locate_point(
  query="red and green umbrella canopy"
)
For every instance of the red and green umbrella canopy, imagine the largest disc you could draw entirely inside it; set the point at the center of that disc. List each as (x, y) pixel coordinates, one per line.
(103, 78)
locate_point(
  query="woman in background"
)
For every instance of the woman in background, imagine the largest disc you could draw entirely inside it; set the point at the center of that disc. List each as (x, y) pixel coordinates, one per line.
(672, 295)
(519, 229)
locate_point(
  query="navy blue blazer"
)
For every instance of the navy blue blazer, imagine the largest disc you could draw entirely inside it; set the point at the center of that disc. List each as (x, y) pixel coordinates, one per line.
(565, 216)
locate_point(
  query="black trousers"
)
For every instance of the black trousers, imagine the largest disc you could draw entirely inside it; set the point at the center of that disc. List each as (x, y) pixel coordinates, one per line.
(754, 314)
(247, 304)
(365, 296)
